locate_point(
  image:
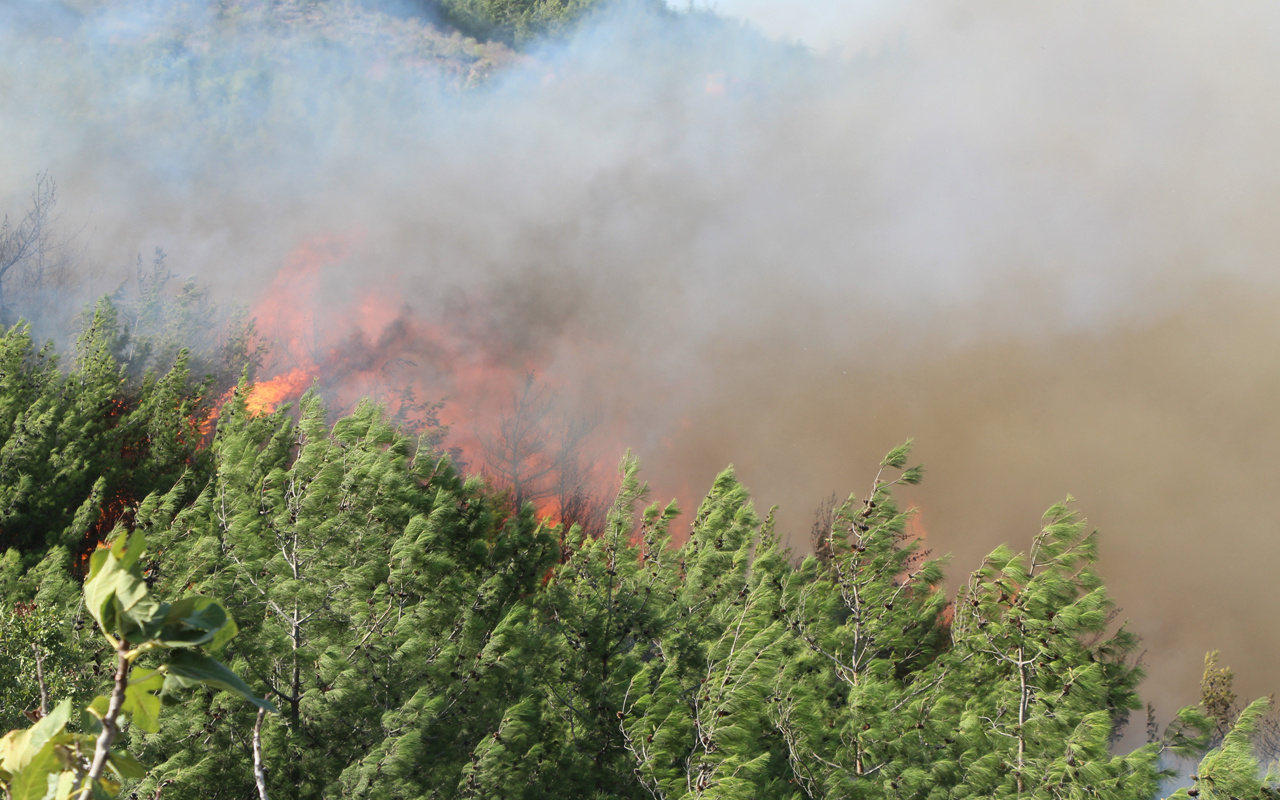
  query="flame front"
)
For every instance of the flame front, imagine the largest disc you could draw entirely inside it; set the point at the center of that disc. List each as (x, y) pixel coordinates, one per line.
(371, 345)
(267, 396)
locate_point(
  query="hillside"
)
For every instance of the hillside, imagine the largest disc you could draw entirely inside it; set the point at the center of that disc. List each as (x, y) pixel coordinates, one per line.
(353, 310)
(422, 636)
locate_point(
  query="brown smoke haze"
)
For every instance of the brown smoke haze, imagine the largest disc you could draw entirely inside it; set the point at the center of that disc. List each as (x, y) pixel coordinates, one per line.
(1039, 239)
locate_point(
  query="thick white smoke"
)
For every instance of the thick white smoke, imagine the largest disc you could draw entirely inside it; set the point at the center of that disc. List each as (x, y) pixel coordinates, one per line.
(1040, 239)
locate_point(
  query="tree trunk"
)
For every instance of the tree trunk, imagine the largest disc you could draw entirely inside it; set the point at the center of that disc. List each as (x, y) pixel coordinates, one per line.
(259, 770)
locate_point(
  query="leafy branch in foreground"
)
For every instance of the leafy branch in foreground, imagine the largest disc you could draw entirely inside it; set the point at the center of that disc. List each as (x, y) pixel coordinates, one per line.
(48, 761)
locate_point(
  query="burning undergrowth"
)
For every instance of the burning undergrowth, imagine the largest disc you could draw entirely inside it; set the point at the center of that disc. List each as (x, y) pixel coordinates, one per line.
(489, 406)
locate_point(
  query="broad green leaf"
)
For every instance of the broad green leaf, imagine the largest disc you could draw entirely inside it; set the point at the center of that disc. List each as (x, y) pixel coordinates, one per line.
(192, 621)
(223, 634)
(148, 679)
(143, 619)
(12, 746)
(97, 559)
(123, 763)
(50, 725)
(100, 588)
(117, 596)
(174, 687)
(194, 666)
(106, 789)
(66, 782)
(38, 778)
(98, 707)
(140, 701)
(132, 551)
(118, 547)
(130, 591)
(18, 747)
(193, 610)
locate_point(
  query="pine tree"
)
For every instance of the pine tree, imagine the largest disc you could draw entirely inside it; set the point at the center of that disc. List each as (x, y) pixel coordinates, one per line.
(858, 705)
(1051, 680)
(296, 530)
(464, 648)
(422, 638)
(694, 716)
(604, 605)
(1231, 770)
(451, 733)
(78, 452)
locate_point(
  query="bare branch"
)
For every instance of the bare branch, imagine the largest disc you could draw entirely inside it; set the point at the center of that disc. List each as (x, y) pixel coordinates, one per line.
(33, 261)
(110, 726)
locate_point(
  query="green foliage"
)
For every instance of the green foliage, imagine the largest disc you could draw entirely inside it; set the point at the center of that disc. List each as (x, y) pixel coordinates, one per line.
(49, 761)
(604, 602)
(1231, 770)
(1216, 694)
(695, 715)
(78, 451)
(423, 639)
(863, 696)
(1035, 629)
(43, 657)
(516, 21)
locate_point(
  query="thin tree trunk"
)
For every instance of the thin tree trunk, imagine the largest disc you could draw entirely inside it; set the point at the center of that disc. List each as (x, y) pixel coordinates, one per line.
(1022, 717)
(259, 770)
(295, 710)
(44, 690)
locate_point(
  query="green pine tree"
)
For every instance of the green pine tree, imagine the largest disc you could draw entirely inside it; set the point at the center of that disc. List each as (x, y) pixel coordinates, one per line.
(859, 705)
(1032, 633)
(694, 716)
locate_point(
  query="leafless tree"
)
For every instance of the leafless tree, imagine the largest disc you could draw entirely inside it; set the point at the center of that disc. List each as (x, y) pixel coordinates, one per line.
(579, 502)
(824, 518)
(35, 262)
(535, 452)
(520, 455)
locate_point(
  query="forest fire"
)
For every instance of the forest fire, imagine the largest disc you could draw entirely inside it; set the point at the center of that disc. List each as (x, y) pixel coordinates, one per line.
(266, 396)
(492, 410)
(782, 236)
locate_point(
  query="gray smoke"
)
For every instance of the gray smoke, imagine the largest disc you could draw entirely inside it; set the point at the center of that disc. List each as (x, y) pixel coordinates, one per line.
(1039, 239)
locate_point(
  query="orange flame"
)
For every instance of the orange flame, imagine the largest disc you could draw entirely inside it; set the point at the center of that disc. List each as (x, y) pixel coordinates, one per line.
(265, 397)
(372, 345)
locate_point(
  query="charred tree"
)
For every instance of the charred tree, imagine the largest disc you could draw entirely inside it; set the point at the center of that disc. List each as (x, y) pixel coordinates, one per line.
(535, 453)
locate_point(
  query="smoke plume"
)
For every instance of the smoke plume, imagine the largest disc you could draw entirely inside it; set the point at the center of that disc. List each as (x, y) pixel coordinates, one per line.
(1038, 239)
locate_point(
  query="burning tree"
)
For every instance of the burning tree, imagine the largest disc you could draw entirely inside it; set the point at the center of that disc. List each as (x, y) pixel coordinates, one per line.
(535, 453)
